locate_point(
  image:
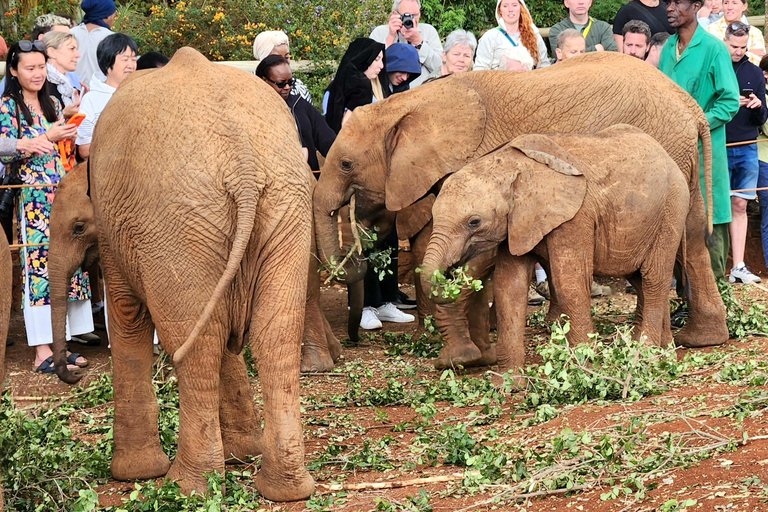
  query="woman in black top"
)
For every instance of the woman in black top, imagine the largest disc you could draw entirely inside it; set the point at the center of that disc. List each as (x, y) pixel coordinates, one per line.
(314, 132)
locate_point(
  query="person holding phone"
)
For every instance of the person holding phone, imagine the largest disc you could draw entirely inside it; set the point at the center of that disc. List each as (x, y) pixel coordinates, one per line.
(743, 164)
(28, 111)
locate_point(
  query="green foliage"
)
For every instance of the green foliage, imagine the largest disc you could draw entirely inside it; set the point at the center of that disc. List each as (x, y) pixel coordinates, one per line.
(750, 319)
(623, 369)
(418, 503)
(450, 287)
(372, 456)
(427, 345)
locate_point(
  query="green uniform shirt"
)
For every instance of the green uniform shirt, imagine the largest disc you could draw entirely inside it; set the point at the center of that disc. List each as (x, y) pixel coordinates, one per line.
(706, 72)
(599, 33)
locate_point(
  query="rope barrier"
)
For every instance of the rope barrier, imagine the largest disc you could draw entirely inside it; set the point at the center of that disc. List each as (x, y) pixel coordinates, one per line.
(749, 190)
(745, 143)
(36, 185)
(22, 246)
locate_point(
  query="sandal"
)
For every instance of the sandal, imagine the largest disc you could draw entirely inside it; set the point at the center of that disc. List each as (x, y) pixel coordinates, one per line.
(73, 357)
(88, 339)
(46, 366)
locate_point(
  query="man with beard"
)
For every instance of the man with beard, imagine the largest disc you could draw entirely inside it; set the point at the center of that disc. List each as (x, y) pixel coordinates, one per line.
(636, 39)
(701, 64)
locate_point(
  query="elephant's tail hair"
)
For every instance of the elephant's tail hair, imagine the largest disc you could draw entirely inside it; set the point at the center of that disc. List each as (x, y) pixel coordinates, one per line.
(706, 147)
(246, 219)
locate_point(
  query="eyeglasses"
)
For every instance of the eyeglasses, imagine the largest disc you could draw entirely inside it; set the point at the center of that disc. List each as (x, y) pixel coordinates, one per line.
(737, 26)
(283, 85)
(28, 46)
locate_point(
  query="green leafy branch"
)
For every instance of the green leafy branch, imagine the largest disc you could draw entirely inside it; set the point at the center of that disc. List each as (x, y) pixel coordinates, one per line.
(450, 287)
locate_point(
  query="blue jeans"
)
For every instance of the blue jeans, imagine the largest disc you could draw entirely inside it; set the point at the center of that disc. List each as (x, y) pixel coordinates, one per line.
(762, 198)
(743, 169)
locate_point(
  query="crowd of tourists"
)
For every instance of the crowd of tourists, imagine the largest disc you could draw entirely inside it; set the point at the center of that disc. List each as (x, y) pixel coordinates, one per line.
(66, 69)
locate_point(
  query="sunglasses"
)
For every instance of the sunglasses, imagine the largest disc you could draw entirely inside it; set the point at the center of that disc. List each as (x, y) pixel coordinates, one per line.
(283, 85)
(28, 46)
(737, 26)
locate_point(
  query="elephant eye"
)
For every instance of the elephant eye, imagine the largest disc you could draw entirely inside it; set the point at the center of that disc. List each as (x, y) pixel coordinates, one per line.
(79, 229)
(346, 165)
(474, 223)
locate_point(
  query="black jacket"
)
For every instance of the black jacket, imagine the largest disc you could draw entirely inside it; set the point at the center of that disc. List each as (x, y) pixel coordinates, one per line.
(744, 126)
(314, 132)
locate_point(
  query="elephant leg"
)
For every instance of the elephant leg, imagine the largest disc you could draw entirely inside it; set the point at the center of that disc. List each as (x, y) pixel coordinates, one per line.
(356, 300)
(479, 318)
(334, 347)
(315, 355)
(512, 277)
(276, 329)
(554, 311)
(572, 279)
(655, 289)
(200, 440)
(424, 306)
(240, 425)
(706, 323)
(636, 280)
(458, 347)
(138, 453)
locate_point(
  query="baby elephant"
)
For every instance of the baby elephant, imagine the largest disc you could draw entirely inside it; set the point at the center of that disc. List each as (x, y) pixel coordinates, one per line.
(611, 203)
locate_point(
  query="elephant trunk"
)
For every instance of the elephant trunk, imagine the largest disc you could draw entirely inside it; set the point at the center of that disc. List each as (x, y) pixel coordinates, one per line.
(440, 255)
(62, 265)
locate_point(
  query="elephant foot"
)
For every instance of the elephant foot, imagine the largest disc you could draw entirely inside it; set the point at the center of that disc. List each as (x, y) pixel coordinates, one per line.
(238, 446)
(697, 335)
(457, 354)
(278, 486)
(315, 359)
(488, 357)
(189, 480)
(139, 464)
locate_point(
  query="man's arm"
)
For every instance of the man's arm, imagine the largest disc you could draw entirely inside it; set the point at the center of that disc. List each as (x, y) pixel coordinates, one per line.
(726, 104)
(607, 38)
(553, 32)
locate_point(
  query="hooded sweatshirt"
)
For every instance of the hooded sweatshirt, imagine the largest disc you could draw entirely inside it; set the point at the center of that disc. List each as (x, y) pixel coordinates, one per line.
(403, 58)
(494, 42)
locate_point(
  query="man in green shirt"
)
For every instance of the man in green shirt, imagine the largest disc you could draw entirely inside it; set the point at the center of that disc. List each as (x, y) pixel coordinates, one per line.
(598, 34)
(701, 64)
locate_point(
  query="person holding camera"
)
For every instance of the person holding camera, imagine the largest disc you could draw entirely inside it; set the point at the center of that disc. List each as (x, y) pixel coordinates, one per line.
(515, 30)
(404, 27)
(27, 111)
(743, 163)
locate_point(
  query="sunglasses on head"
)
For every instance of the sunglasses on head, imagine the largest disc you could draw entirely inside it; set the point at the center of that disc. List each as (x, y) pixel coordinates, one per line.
(28, 46)
(737, 26)
(282, 85)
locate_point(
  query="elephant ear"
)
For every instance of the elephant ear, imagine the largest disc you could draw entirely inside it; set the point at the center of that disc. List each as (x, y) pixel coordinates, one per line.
(436, 131)
(413, 218)
(548, 191)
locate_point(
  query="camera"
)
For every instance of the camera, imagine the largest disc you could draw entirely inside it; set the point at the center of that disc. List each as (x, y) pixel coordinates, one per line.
(7, 195)
(407, 20)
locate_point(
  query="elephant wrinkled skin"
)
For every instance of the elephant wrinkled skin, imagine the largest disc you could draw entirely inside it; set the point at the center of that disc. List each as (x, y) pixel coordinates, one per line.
(393, 153)
(201, 195)
(578, 203)
(74, 244)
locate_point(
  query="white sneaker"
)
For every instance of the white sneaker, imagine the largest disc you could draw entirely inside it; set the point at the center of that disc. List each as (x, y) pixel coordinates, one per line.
(743, 275)
(389, 313)
(370, 320)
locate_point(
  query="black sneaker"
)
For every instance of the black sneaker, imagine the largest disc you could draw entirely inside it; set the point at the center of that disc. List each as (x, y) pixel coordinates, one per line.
(404, 301)
(679, 316)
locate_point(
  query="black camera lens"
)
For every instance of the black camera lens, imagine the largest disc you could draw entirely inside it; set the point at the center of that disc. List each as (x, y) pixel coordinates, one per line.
(407, 20)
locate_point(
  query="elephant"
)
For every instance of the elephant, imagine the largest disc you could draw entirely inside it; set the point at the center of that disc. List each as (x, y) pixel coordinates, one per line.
(395, 153)
(6, 286)
(74, 244)
(204, 228)
(578, 203)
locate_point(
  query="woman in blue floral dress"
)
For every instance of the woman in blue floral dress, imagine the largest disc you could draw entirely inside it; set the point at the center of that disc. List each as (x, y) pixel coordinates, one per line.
(27, 111)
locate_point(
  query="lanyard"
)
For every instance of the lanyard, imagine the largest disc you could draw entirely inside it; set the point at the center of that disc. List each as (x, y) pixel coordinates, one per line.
(508, 37)
(589, 26)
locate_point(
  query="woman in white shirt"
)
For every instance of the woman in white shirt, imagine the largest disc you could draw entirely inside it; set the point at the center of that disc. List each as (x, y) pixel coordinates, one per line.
(516, 29)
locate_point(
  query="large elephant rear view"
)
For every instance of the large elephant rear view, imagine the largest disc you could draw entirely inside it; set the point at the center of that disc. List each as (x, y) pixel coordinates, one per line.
(395, 152)
(201, 195)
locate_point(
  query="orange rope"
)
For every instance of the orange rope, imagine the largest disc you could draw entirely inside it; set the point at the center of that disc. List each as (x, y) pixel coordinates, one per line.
(36, 185)
(19, 246)
(744, 143)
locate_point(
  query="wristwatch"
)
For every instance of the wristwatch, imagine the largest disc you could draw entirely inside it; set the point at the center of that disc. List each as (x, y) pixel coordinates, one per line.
(418, 46)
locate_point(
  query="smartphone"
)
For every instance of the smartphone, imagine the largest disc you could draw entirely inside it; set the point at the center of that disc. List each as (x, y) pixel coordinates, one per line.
(76, 119)
(746, 92)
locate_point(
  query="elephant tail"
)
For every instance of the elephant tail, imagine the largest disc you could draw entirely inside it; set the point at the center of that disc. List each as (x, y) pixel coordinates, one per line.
(246, 219)
(706, 146)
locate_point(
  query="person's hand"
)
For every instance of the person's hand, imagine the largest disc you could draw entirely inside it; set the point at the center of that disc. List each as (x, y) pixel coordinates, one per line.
(84, 89)
(59, 131)
(599, 48)
(751, 102)
(395, 24)
(71, 109)
(36, 146)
